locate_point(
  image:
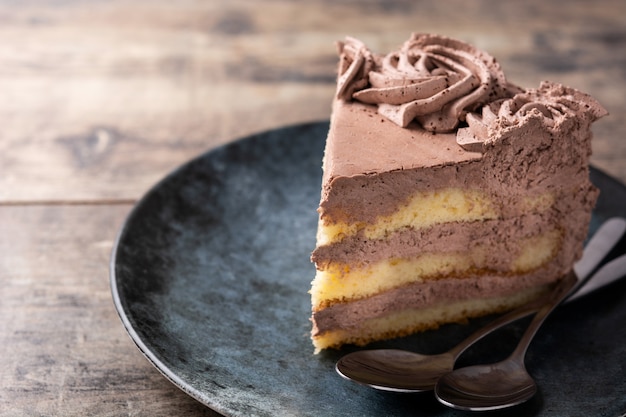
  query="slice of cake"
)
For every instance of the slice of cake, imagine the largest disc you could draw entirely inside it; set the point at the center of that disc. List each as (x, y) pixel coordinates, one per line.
(448, 193)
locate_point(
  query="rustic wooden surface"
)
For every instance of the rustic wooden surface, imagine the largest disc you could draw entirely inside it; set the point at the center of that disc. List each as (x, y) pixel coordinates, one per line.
(100, 99)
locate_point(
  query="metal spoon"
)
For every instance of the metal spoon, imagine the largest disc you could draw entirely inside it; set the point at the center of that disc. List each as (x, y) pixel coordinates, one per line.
(505, 383)
(403, 371)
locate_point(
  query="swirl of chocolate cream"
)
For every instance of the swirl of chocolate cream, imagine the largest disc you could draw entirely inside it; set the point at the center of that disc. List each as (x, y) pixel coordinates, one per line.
(433, 80)
(355, 63)
(551, 104)
(509, 113)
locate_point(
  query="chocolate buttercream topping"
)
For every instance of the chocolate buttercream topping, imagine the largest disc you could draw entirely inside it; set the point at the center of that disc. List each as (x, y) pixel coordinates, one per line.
(552, 104)
(355, 63)
(522, 151)
(433, 80)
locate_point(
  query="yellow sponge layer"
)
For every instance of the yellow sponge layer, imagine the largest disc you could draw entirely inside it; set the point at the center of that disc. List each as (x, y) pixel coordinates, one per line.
(424, 209)
(340, 283)
(537, 250)
(408, 321)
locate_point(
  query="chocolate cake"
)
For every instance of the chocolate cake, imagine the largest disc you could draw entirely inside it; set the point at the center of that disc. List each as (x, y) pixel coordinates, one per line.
(447, 193)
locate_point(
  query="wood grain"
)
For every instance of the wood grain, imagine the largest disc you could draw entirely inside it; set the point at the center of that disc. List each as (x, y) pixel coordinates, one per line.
(101, 99)
(62, 348)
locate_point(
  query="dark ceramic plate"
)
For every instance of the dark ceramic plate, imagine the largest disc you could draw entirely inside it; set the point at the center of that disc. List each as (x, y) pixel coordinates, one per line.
(210, 275)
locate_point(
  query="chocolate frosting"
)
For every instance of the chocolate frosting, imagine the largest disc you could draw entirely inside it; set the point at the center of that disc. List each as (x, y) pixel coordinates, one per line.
(552, 104)
(365, 155)
(433, 80)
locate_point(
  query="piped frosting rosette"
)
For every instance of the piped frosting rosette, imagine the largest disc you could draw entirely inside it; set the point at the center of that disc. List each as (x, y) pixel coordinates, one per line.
(355, 63)
(551, 103)
(433, 80)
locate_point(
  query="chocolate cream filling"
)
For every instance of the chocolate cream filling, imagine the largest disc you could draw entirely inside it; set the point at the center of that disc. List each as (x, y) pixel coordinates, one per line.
(423, 295)
(502, 237)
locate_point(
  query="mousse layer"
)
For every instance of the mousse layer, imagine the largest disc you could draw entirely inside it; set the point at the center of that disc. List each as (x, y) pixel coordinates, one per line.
(344, 282)
(403, 322)
(421, 295)
(502, 237)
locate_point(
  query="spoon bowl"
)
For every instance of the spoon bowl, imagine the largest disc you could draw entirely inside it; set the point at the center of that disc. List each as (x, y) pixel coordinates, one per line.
(503, 384)
(394, 369)
(486, 387)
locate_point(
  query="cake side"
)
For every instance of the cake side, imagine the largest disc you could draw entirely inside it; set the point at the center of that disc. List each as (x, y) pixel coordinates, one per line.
(492, 204)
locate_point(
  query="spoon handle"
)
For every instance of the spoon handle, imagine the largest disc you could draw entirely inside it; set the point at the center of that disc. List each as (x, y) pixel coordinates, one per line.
(598, 247)
(562, 290)
(609, 272)
(566, 287)
(501, 321)
(600, 244)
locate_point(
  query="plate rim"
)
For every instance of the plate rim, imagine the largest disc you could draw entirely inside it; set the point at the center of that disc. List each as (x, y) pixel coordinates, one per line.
(145, 350)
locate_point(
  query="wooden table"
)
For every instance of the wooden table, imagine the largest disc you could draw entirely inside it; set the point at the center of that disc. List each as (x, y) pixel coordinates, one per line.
(101, 99)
